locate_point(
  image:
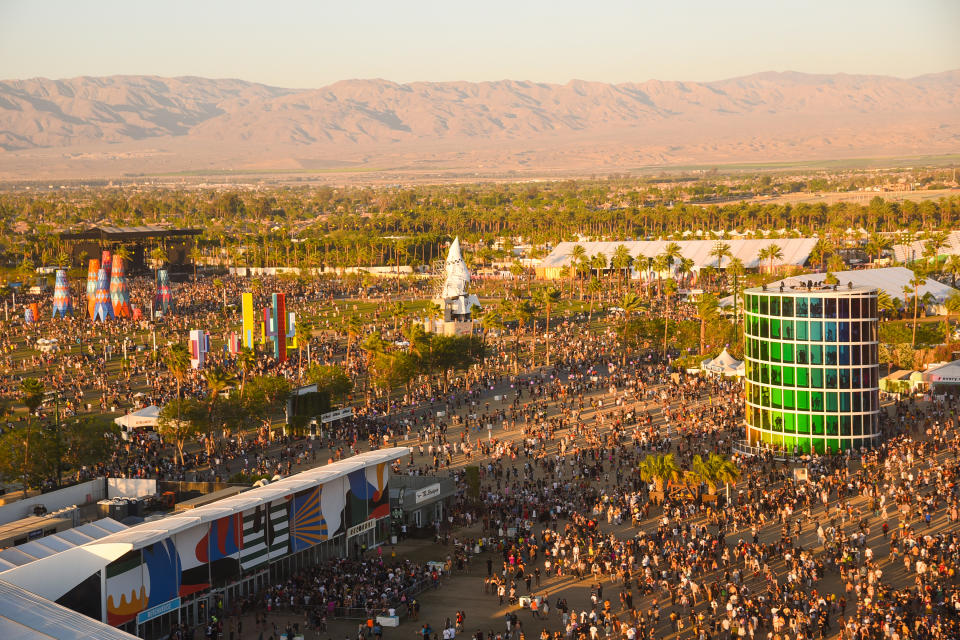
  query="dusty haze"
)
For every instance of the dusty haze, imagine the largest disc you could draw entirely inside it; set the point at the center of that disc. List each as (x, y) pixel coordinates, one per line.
(121, 125)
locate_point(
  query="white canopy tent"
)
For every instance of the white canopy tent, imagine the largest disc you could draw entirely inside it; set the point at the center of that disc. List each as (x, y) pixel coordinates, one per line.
(724, 365)
(142, 419)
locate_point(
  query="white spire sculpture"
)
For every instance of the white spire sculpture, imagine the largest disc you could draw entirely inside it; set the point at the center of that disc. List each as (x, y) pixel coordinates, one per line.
(455, 298)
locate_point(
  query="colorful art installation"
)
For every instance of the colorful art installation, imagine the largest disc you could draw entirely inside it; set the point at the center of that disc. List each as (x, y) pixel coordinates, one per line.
(233, 344)
(135, 312)
(119, 290)
(102, 308)
(62, 300)
(199, 346)
(29, 315)
(106, 261)
(279, 327)
(164, 299)
(92, 271)
(246, 307)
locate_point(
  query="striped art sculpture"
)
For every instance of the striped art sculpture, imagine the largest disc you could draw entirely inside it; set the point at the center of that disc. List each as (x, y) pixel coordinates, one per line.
(62, 300)
(164, 299)
(119, 290)
(29, 315)
(103, 308)
(199, 346)
(279, 327)
(92, 286)
(276, 326)
(233, 344)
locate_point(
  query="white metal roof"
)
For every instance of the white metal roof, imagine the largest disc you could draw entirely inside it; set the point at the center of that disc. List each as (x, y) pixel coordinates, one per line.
(27, 552)
(914, 250)
(26, 616)
(795, 251)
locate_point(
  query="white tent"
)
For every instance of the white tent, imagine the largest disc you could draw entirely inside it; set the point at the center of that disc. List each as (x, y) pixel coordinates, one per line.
(142, 419)
(724, 365)
(947, 374)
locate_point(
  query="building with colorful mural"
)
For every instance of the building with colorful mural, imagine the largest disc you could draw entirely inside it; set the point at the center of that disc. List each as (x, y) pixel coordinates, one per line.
(812, 368)
(148, 577)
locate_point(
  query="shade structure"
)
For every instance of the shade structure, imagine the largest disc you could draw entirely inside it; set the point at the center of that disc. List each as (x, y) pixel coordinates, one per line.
(164, 299)
(103, 308)
(92, 271)
(119, 290)
(62, 300)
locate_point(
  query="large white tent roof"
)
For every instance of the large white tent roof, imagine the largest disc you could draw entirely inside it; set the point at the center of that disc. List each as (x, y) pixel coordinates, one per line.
(914, 250)
(889, 279)
(795, 251)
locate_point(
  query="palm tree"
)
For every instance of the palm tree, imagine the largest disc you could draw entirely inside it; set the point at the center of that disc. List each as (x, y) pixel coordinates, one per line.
(397, 311)
(885, 302)
(877, 244)
(916, 282)
(490, 320)
(933, 245)
(773, 252)
(669, 290)
(304, 332)
(177, 360)
(660, 469)
(737, 269)
(684, 270)
(595, 287)
(621, 261)
(246, 359)
(720, 250)
(577, 256)
(952, 304)
(716, 470)
(707, 312)
(631, 304)
(660, 264)
(353, 328)
(547, 298)
(599, 263)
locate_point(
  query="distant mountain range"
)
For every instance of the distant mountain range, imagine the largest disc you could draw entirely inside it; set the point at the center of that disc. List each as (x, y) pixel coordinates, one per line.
(109, 126)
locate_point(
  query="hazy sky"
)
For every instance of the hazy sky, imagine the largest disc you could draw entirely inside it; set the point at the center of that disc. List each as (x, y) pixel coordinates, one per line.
(310, 43)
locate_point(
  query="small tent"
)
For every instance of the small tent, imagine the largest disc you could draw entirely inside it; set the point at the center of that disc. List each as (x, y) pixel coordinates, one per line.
(724, 365)
(145, 418)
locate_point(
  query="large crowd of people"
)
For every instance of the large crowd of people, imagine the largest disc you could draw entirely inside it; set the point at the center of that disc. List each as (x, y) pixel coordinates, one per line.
(577, 543)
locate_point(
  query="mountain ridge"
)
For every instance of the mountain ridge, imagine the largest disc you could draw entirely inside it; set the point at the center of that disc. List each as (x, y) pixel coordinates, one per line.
(101, 125)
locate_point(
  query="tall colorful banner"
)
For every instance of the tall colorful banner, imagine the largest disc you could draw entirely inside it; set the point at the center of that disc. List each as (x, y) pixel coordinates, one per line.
(164, 300)
(62, 300)
(199, 346)
(249, 324)
(119, 290)
(92, 270)
(103, 308)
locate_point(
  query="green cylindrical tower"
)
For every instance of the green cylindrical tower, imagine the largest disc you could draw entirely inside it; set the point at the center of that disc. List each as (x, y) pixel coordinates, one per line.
(812, 370)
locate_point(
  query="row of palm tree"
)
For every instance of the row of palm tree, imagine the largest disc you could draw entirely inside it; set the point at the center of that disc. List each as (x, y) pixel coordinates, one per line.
(715, 471)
